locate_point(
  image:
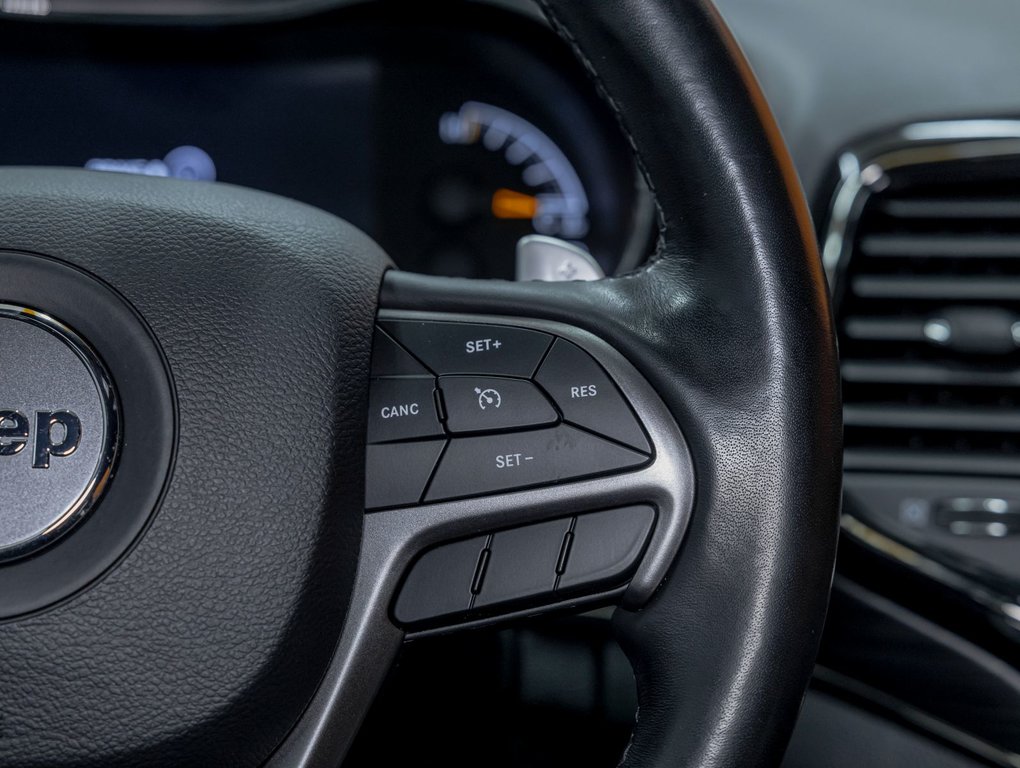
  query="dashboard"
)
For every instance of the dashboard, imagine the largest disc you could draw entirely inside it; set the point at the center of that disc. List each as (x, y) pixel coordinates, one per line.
(450, 132)
(447, 140)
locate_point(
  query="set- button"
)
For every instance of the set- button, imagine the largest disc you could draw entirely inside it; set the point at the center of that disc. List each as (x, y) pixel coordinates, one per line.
(477, 465)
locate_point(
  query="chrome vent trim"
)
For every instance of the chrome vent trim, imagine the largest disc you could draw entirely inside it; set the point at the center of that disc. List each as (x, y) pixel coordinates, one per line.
(938, 263)
(920, 396)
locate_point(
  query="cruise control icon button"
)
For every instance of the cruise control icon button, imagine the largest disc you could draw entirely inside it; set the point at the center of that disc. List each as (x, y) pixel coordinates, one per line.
(400, 409)
(481, 403)
(477, 465)
(586, 395)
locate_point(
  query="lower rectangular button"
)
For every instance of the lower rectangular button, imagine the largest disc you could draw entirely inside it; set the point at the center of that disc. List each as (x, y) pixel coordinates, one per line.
(439, 584)
(396, 474)
(606, 546)
(522, 563)
(476, 465)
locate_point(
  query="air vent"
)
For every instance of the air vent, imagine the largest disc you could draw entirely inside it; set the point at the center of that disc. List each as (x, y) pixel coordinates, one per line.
(928, 289)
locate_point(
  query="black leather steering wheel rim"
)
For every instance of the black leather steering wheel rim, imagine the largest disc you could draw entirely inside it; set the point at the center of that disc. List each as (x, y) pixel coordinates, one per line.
(218, 634)
(743, 353)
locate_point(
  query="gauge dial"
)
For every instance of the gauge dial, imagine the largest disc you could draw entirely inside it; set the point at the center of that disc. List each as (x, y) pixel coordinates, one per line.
(551, 196)
(482, 142)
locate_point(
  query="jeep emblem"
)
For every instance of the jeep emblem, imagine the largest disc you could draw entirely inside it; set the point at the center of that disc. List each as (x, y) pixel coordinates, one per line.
(58, 430)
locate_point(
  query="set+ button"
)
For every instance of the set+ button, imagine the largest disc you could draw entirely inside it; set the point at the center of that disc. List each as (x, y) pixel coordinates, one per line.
(496, 350)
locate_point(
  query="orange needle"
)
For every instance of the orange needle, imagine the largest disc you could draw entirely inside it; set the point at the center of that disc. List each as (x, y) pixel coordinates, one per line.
(508, 204)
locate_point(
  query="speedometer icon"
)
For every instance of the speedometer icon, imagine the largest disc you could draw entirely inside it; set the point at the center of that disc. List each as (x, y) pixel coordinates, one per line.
(488, 398)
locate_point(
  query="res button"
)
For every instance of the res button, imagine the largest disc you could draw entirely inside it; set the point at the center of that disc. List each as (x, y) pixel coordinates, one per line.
(587, 397)
(497, 350)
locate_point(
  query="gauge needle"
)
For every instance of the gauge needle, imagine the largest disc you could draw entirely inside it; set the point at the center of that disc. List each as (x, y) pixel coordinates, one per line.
(508, 204)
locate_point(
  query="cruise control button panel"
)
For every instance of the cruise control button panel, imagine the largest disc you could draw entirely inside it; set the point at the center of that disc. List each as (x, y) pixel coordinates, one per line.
(488, 403)
(488, 408)
(524, 567)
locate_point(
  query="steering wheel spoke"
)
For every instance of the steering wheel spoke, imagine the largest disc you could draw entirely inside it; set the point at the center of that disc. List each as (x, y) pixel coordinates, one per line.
(515, 466)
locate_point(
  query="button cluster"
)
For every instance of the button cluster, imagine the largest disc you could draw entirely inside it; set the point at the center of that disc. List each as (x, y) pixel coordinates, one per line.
(524, 566)
(464, 409)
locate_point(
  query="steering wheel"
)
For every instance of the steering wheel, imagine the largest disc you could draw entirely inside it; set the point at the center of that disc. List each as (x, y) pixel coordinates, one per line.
(195, 579)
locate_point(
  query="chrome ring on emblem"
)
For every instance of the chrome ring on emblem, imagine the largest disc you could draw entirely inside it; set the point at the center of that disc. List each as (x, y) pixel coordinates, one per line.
(59, 430)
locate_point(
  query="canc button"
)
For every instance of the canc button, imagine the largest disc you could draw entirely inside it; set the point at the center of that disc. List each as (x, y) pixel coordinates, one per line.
(400, 409)
(480, 403)
(587, 396)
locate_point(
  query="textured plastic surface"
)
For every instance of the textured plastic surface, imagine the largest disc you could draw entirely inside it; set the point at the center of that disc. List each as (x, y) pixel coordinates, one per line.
(440, 582)
(402, 408)
(396, 473)
(391, 359)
